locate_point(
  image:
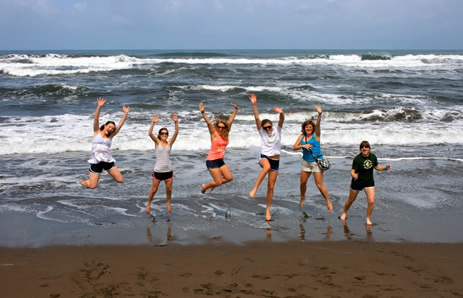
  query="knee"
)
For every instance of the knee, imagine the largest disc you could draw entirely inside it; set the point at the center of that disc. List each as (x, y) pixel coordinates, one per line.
(271, 187)
(229, 179)
(119, 180)
(169, 189)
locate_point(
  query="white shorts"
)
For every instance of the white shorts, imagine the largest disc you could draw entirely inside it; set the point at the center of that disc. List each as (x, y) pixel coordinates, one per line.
(310, 166)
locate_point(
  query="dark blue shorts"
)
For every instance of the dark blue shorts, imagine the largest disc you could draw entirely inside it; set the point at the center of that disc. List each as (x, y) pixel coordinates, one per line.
(274, 163)
(215, 164)
(97, 168)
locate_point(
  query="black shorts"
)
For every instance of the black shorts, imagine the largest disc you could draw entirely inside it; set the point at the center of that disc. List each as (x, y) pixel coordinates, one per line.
(166, 176)
(97, 168)
(215, 164)
(358, 186)
(274, 163)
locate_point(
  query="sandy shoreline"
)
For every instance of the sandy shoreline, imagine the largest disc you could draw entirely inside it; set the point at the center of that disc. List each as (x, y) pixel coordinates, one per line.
(260, 269)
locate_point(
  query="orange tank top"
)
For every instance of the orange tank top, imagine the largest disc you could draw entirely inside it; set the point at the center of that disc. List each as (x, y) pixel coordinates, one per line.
(217, 148)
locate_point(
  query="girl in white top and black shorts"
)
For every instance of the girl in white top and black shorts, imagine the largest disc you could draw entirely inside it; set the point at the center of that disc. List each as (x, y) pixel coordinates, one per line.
(269, 158)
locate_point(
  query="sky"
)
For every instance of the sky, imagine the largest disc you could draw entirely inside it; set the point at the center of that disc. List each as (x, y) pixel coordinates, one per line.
(230, 24)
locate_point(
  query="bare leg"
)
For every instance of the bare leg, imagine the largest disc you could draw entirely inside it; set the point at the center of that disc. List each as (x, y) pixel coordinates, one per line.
(116, 174)
(318, 177)
(370, 192)
(220, 175)
(265, 164)
(153, 191)
(303, 186)
(352, 196)
(92, 181)
(272, 178)
(169, 194)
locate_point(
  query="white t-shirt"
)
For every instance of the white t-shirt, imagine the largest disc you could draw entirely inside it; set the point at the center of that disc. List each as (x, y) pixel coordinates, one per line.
(270, 144)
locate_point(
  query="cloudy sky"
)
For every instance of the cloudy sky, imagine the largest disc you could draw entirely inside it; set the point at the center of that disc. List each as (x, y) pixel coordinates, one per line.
(231, 24)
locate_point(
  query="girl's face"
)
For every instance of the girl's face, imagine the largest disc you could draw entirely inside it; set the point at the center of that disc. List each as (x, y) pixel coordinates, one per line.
(221, 128)
(109, 129)
(365, 150)
(268, 127)
(164, 134)
(308, 129)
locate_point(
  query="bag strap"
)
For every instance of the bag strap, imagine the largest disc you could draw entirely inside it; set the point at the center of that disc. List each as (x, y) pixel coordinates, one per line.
(310, 150)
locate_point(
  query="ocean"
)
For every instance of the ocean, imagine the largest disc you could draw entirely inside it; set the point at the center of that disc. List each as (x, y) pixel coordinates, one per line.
(407, 104)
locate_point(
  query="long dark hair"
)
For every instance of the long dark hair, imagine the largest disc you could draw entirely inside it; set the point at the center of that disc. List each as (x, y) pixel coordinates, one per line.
(109, 122)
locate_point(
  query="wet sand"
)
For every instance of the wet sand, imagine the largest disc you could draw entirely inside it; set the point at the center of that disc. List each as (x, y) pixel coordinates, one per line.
(259, 269)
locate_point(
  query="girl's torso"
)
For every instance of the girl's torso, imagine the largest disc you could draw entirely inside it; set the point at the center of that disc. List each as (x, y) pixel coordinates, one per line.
(316, 149)
(218, 146)
(271, 143)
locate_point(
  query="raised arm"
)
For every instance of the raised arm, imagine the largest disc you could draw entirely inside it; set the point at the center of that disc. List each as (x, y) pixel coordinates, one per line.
(150, 131)
(282, 116)
(232, 116)
(253, 99)
(319, 119)
(96, 120)
(126, 110)
(174, 136)
(211, 128)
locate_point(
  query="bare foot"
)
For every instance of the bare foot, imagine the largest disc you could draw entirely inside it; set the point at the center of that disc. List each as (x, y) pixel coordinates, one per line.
(301, 203)
(369, 223)
(268, 216)
(148, 209)
(252, 193)
(211, 189)
(203, 188)
(169, 209)
(343, 216)
(83, 183)
(329, 205)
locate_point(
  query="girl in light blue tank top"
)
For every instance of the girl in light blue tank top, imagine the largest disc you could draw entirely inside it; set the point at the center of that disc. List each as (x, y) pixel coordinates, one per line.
(316, 150)
(309, 142)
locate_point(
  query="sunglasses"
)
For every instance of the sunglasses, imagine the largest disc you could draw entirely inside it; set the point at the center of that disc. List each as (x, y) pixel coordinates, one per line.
(267, 127)
(164, 133)
(222, 127)
(364, 146)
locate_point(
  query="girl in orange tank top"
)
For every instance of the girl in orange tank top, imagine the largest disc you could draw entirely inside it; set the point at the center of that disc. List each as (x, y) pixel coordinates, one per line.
(218, 131)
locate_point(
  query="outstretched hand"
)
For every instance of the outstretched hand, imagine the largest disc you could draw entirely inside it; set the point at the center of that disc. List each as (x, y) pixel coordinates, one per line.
(234, 105)
(156, 118)
(253, 98)
(201, 107)
(318, 108)
(126, 109)
(101, 101)
(174, 117)
(278, 110)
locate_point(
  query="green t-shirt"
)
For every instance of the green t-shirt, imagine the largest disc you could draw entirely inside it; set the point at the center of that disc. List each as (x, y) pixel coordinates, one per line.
(364, 166)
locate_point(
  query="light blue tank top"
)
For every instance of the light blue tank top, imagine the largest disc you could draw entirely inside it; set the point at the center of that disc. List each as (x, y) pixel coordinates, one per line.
(316, 150)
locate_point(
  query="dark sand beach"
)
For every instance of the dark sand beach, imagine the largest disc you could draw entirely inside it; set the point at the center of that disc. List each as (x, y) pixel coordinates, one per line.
(261, 269)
